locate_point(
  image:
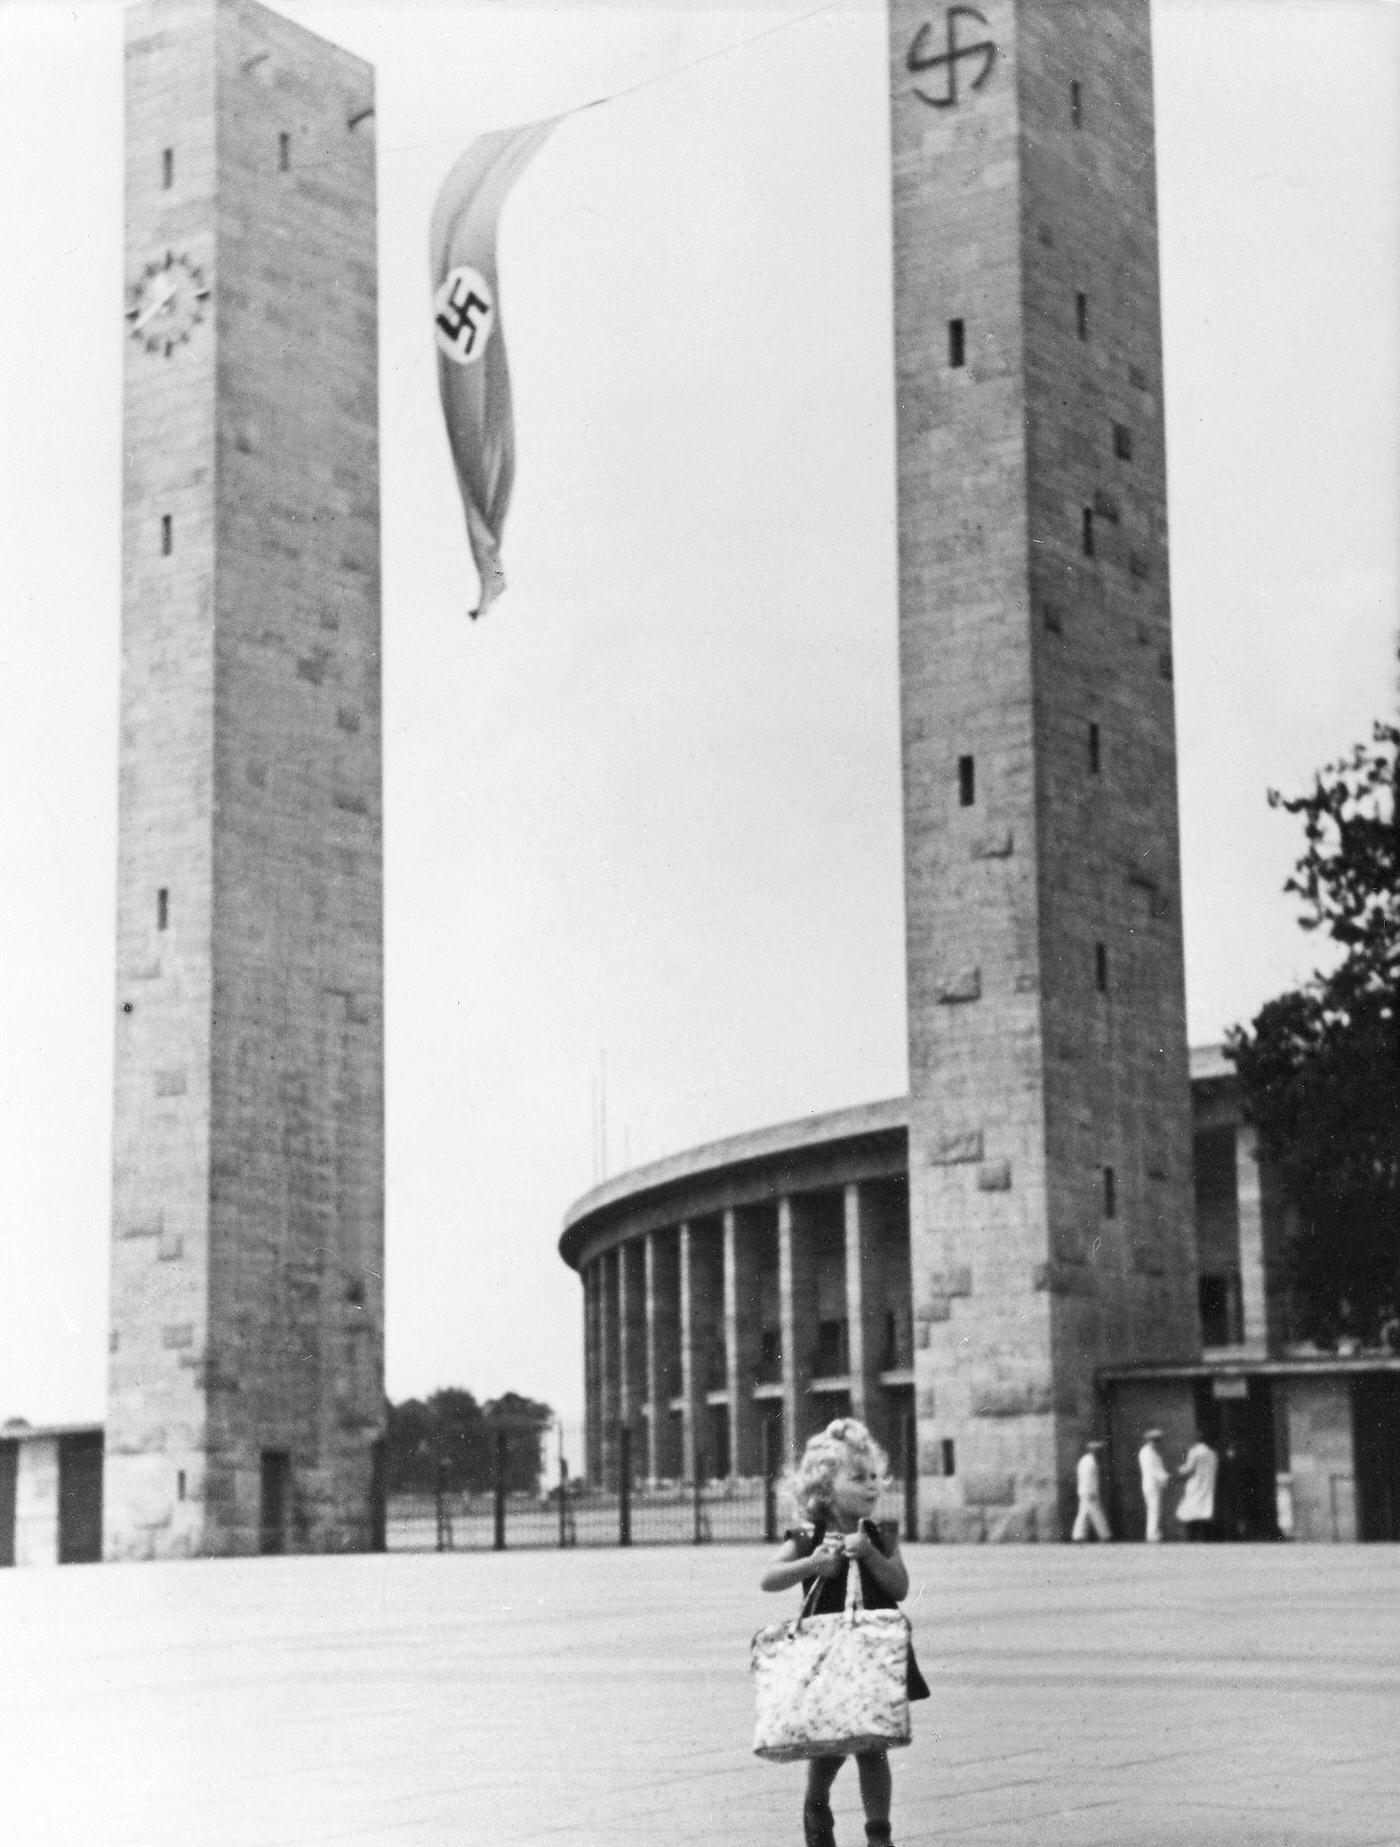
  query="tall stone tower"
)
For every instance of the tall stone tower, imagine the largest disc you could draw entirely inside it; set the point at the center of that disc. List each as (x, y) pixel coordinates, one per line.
(246, 1373)
(1049, 1149)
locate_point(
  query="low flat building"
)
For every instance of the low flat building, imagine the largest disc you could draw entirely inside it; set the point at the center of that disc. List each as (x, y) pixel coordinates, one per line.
(50, 1493)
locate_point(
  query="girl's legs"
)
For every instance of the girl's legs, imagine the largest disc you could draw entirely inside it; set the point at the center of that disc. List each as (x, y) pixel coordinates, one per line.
(818, 1827)
(875, 1787)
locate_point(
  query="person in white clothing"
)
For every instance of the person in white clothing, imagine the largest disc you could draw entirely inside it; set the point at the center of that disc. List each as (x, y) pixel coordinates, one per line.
(1196, 1510)
(1091, 1516)
(1154, 1479)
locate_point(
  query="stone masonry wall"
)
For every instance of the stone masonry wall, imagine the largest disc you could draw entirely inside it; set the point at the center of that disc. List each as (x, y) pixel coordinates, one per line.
(1046, 1024)
(36, 1501)
(297, 1162)
(1322, 1458)
(160, 1182)
(248, 1244)
(1112, 975)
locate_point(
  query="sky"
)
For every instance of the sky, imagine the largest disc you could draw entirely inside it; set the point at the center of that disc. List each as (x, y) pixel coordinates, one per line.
(643, 878)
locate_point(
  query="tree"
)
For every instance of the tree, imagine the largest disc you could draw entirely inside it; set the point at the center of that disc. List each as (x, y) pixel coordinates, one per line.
(448, 1441)
(1320, 1067)
(521, 1422)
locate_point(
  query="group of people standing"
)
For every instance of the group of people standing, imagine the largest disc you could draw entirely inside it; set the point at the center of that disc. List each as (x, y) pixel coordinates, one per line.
(1195, 1512)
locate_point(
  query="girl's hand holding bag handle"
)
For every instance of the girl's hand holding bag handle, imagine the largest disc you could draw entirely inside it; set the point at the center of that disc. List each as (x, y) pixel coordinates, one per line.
(826, 1686)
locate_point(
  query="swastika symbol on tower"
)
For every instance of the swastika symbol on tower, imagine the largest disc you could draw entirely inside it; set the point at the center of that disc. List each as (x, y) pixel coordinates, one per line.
(921, 59)
(465, 314)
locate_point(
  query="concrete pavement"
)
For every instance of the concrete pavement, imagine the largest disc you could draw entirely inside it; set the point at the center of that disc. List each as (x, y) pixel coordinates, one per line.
(1168, 1697)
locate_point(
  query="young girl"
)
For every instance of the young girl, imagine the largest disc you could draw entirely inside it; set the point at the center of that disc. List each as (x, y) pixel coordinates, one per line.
(836, 1485)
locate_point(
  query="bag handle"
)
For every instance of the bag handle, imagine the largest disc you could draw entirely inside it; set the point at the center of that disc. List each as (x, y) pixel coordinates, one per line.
(855, 1593)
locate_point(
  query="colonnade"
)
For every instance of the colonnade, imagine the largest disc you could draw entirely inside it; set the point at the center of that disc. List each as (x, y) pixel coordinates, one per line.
(723, 1339)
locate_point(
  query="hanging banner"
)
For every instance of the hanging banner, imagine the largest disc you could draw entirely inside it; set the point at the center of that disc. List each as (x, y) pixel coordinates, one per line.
(473, 377)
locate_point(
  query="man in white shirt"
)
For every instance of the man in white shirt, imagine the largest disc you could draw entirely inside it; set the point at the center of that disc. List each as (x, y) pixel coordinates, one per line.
(1154, 1479)
(1091, 1516)
(1196, 1510)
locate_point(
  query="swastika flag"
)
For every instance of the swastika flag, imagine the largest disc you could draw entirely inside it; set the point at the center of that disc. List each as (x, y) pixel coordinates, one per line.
(473, 377)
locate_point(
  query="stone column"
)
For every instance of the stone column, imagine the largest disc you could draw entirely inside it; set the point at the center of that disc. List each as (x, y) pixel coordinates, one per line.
(607, 1364)
(863, 1305)
(787, 1322)
(625, 1406)
(656, 1411)
(692, 1383)
(1253, 1281)
(740, 1347)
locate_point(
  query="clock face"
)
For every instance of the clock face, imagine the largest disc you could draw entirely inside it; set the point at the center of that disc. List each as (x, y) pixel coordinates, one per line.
(165, 302)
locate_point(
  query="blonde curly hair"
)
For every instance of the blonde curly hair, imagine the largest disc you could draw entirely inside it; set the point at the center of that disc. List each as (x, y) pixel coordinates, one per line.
(844, 1441)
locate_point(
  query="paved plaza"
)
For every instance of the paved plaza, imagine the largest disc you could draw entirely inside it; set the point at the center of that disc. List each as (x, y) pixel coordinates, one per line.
(1179, 1696)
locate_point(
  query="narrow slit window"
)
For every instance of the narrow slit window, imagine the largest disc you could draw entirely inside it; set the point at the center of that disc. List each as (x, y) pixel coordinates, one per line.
(180, 1485)
(1081, 314)
(967, 781)
(957, 344)
(167, 535)
(1122, 442)
(1095, 751)
(167, 168)
(284, 151)
(163, 908)
(1110, 1194)
(1076, 106)
(1101, 967)
(1088, 536)
(949, 1457)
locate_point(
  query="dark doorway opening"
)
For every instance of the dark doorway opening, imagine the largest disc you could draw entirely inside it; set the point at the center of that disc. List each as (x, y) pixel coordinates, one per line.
(9, 1475)
(378, 1497)
(720, 1463)
(1376, 1433)
(1236, 1417)
(276, 1499)
(1222, 1308)
(80, 1499)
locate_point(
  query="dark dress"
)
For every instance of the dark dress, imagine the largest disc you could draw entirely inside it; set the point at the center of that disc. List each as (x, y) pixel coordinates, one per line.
(827, 1596)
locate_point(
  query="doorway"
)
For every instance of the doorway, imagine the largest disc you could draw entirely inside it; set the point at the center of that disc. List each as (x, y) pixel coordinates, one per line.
(276, 1497)
(1235, 1415)
(9, 1475)
(1375, 1411)
(80, 1499)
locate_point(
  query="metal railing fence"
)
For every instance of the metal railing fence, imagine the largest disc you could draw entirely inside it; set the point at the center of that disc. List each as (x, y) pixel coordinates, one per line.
(738, 1510)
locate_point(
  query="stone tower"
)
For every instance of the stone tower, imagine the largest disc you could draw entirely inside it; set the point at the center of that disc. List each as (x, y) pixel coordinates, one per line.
(1049, 1148)
(246, 1374)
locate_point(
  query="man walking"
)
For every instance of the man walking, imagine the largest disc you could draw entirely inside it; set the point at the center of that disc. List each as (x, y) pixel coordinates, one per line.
(1091, 1516)
(1154, 1480)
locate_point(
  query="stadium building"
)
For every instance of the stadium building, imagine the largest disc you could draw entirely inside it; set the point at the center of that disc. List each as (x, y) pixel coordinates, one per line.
(739, 1295)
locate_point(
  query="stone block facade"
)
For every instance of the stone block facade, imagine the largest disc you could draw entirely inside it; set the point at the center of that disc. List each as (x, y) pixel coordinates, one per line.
(1322, 1458)
(246, 1367)
(1050, 1132)
(36, 1502)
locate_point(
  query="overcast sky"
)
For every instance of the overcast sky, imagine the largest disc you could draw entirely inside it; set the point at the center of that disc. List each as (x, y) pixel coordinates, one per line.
(642, 824)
